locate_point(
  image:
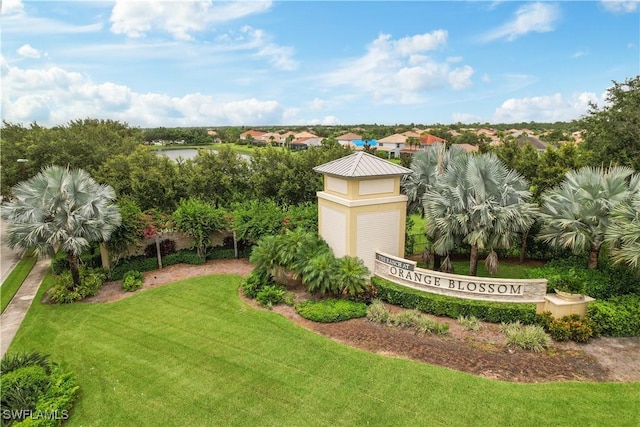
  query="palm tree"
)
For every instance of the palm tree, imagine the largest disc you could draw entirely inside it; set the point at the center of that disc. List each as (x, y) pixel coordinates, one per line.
(318, 273)
(350, 275)
(623, 233)
(480, 202)
(61, 207)
(427, 166)
(577, 213)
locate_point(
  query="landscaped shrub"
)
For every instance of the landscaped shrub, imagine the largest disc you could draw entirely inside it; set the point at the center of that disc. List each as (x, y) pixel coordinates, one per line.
(31, 385)
(331, 310)
(167, 246)
(220, 252)
(270, 295)
(377, 312)
(606, 282)
(184, 256)
(90, 259)
(142, 263)
(618, 317)
(527, 337)
(469, 323)
(441, 305)
(132, 281)
(254, 282)
(65, 292)
(574, 327)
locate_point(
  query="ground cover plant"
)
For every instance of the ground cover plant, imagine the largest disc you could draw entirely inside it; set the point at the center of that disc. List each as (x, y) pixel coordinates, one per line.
(193, 353)
(14, 280)
(35, 390)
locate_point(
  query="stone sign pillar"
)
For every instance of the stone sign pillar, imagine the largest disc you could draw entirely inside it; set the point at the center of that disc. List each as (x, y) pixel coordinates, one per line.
(361, 210)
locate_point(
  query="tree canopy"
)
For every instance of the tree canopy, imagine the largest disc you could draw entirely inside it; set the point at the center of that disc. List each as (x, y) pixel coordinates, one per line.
(61, 206)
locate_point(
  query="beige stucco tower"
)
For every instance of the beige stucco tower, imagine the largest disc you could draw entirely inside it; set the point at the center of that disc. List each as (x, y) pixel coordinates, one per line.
(361, 209)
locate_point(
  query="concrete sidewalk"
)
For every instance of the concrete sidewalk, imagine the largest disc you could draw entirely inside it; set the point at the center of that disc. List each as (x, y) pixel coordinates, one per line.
(12, 317)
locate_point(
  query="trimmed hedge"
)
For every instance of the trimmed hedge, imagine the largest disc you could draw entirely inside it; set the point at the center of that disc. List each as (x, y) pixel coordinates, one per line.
(142, 263)
(331, 310)
(618, 317)
(441, 305)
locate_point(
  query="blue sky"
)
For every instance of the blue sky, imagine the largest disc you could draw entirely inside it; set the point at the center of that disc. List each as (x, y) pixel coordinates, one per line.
(203, 63)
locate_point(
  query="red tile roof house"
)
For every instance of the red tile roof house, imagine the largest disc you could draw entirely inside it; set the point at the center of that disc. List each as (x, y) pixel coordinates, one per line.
(429, 139)
(255, 134)
(272, 138)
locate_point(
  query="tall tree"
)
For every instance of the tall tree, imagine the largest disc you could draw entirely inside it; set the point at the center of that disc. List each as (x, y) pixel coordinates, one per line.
(577, 213)
(61, 206)
(199, 220)
(480, 202)
(623, 233)
(426, 166)
(612, 133)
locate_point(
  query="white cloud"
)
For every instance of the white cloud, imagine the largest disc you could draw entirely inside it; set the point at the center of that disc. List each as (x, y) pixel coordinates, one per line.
(579, 54)
(11, 6)
(53, 96)
(398, 71)
(280, 57)
(318, 104)
(534, 17)
(16, 21)
(548, 108)
(486, 78)
(180, 19)
(620, 6)
(28, 51)
(460, 78)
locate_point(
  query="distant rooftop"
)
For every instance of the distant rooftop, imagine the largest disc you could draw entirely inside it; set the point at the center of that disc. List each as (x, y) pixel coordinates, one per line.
(361, 164)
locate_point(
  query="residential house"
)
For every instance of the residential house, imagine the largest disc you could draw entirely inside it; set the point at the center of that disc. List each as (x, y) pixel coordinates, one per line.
(347, 138)
(392, 144)
(467, 147)
(251, 134)
(535, 142)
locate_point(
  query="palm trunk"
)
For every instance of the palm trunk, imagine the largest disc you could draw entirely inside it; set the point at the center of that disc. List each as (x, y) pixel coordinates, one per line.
(437, 262)
(593, 257)
(158, 253)
(523, 248)
(75, 271)
(473, 261)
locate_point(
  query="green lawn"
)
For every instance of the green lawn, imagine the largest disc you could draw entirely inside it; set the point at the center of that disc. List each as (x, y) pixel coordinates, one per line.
(192, 353)
(14, 280)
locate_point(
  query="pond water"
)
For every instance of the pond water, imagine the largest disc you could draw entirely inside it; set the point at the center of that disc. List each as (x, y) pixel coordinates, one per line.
(185, 153)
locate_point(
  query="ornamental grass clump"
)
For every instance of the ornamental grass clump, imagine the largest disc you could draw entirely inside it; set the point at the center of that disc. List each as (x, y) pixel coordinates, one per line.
(470, 323)
(527, 337)
(377, 312)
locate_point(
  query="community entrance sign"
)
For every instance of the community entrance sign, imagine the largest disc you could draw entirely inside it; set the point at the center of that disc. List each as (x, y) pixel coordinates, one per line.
(362, 213)
(404, 272)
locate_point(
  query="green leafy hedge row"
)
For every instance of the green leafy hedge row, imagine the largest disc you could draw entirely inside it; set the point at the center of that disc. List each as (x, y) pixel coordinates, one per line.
(142, 263)
(440, 305)
(331, 310)
(618, 317)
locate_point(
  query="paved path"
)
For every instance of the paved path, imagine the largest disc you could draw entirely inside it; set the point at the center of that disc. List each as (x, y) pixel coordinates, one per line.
(15, 312)
(8, 257)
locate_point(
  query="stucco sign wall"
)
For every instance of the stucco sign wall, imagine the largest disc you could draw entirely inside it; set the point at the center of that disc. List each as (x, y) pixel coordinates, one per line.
(404, 272)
